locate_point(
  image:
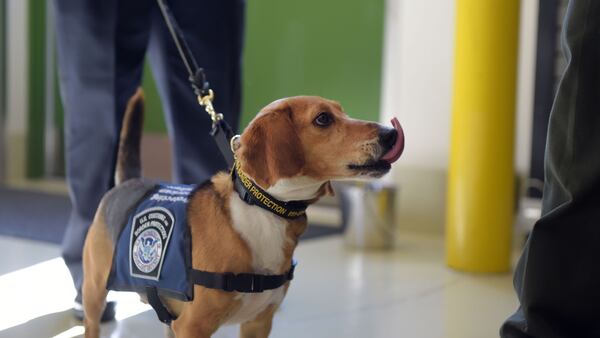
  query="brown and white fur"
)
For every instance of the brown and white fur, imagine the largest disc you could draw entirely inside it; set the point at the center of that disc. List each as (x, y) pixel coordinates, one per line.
(288, 153)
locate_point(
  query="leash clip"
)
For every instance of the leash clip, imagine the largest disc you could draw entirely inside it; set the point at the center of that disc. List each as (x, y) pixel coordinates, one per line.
(232, 143)
(206, 102)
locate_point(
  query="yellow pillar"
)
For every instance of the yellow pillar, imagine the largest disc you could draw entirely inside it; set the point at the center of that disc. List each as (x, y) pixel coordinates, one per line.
(480, 205)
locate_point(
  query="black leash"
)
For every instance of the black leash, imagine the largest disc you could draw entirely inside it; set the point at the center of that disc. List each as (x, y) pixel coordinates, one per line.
(248, 190)
(197, 76)
(221, 131)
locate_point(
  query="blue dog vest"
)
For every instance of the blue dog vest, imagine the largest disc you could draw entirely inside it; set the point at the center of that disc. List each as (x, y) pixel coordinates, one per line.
(153, 249)
(153, 254)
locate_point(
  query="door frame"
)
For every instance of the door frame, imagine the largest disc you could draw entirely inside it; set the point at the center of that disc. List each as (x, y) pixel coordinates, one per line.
(3, 27)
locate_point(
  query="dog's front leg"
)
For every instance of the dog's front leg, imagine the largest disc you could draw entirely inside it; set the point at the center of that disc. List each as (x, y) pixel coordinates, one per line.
(183, 328)
(260, 327)
(97, 258)
(196, 321)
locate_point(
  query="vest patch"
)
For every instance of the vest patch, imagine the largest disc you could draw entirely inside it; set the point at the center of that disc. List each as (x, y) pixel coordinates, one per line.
(154, 248)
(150, 234)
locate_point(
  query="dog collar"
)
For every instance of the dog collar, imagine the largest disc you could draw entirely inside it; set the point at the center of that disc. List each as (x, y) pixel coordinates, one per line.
(252, 194)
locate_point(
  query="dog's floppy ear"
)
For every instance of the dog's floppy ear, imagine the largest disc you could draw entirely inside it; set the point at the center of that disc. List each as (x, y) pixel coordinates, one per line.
(270, 147)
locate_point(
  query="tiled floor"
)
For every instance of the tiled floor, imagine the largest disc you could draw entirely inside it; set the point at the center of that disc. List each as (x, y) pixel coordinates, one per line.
(336, 293)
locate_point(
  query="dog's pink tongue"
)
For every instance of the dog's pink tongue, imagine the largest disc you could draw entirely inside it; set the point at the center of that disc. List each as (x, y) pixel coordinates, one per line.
(394, 154)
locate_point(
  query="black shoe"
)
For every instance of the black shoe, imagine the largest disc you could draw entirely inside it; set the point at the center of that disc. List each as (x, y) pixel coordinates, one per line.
(107, 316)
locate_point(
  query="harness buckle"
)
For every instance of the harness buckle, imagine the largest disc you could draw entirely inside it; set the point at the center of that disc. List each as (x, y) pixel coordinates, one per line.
(248, 198)
(290, 273)
(248, 282)
(228, 282)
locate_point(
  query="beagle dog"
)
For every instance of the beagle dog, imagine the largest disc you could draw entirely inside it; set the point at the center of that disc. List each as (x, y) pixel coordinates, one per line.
(292, 150)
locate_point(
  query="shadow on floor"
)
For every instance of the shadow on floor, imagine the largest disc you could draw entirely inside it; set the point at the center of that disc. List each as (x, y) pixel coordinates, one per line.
(43, 216)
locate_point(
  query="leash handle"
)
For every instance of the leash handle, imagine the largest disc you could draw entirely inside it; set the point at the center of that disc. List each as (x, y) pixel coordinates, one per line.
(196, 74)
(221, 131)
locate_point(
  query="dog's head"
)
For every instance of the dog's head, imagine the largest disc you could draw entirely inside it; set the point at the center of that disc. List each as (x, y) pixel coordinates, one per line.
(311, 139)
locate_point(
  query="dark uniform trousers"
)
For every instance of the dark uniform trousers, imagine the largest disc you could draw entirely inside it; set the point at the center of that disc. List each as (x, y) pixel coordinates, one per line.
(558, 276)
(101, 48)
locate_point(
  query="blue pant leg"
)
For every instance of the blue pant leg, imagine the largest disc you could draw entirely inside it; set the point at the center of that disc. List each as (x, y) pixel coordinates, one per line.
(100, 47)
(558, 276)
(214, 32)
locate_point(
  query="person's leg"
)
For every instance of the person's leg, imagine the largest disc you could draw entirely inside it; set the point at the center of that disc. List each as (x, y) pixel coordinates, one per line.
(214, 32)
(558, 276)
(101, 46)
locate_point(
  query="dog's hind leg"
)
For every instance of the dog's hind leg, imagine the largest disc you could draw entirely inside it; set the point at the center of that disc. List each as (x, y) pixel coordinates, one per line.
(97, 261)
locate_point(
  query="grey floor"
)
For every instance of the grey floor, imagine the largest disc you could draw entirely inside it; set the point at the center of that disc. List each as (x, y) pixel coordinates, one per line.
(337, 292)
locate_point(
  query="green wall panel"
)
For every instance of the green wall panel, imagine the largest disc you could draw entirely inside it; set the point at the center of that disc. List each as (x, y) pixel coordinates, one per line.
(153, 118)
(313, 47)
(327, 48)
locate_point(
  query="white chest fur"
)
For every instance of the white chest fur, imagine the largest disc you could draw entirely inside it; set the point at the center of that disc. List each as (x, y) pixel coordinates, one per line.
(266, 237)
(264, 233)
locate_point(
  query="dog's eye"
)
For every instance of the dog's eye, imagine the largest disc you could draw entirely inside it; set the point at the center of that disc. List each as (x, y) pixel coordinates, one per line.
(323, 119)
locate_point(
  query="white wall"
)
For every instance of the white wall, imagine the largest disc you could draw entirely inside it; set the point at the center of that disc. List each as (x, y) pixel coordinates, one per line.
(417, 76)
(417, 88)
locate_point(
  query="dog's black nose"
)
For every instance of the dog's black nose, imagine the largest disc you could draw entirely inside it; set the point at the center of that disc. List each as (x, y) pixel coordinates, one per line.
(387, 137)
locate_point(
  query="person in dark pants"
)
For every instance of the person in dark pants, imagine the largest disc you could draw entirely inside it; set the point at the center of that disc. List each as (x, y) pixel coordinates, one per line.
(558, 276)
(101, 50)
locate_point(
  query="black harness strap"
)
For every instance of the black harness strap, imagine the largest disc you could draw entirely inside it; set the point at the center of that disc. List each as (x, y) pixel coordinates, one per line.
(241, 282)
(161, 310)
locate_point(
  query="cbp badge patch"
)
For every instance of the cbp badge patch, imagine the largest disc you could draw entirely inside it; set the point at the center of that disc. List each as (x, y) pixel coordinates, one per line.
(150, 233)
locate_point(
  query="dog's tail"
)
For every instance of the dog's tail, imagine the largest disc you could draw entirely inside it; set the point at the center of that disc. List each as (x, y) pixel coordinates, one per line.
(128, 157)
